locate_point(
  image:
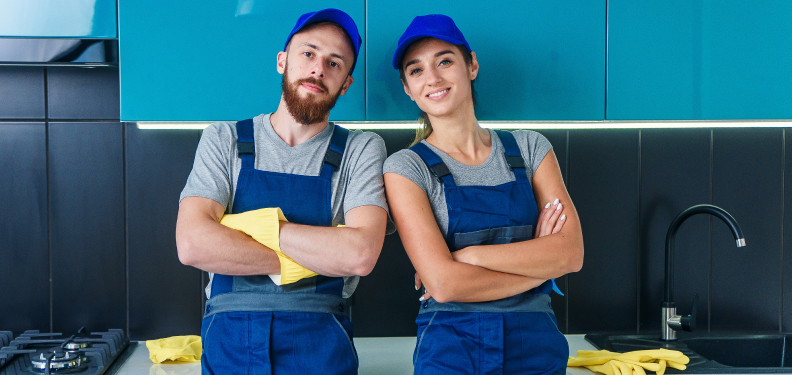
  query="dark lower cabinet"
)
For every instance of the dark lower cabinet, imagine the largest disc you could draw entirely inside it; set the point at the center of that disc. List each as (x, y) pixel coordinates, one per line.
(24, 263)
(86, 193)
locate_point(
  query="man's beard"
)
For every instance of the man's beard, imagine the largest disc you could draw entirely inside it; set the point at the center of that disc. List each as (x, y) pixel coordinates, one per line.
(306, 110)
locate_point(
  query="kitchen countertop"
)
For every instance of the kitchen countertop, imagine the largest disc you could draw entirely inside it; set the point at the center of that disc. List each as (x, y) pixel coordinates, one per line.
(378, 356)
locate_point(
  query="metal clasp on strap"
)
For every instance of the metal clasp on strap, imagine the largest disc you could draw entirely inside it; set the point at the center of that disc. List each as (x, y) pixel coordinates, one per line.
(515, 162)
(333, 158)
(246, 148)
(440, 170)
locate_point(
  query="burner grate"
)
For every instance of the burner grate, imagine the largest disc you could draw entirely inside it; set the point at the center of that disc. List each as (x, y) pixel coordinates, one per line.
(49, 353)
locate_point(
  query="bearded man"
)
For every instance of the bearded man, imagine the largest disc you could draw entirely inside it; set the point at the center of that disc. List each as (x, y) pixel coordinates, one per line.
(263, 210)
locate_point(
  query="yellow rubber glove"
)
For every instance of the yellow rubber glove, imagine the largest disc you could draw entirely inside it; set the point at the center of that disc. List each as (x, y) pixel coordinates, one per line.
(630, 363)
(263, 226)
(176, 348)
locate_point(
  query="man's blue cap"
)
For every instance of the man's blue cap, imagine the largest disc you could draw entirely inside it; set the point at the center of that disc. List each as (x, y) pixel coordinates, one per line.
(433, 25)
(335, 16)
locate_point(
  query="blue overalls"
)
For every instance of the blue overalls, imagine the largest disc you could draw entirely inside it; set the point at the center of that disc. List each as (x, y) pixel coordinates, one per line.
(514, 335)
(252, 325)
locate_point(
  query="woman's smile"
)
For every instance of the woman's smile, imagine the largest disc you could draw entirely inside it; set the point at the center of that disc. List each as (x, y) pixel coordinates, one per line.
(438, 94)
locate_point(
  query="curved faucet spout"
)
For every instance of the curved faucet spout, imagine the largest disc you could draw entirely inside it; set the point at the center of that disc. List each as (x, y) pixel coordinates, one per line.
(669, 245)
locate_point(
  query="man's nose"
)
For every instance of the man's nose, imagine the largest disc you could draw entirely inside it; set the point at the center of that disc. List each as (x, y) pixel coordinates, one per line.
(318, 68)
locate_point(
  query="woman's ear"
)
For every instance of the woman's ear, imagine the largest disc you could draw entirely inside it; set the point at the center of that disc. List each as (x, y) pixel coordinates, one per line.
(281, 62)
(474, 66)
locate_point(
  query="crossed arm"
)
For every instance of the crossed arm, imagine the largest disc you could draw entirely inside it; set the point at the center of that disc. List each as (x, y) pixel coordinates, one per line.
(204, 243)
(485, 273)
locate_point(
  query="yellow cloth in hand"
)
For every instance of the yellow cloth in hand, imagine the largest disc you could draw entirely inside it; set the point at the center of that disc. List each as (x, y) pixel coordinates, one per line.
(176, 348)
(263, 226)
(630, 363)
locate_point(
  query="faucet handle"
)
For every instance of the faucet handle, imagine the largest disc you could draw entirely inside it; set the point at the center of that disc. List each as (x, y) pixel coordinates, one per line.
(689, 321)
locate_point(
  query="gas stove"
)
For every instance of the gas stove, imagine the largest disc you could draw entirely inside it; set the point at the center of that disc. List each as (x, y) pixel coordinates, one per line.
(50, 353)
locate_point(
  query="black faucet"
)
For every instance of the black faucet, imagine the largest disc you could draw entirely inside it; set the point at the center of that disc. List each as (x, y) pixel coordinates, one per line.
(672, 322)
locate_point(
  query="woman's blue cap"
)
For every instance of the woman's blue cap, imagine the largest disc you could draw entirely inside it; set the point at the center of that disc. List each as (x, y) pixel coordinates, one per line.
(433, 25)
(335, 16)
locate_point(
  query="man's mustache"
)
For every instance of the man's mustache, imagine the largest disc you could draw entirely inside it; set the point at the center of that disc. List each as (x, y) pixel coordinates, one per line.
(313, 81)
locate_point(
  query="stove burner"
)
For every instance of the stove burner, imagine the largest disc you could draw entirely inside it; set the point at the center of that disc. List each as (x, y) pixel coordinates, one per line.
(75, 346)
(57, 359)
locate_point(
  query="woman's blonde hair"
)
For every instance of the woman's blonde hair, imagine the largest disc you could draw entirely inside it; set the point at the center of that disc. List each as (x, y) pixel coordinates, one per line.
(423, 119)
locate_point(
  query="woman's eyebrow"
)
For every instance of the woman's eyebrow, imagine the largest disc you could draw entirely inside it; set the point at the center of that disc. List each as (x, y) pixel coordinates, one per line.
(441, 53)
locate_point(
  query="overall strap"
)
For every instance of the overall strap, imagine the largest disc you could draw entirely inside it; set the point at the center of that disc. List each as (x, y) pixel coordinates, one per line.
(435, 164)
(245, 143)
(335, 152)
(513, 155)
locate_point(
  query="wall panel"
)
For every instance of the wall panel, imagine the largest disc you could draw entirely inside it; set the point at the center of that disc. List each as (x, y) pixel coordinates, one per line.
(86, 195)
(603, 181)
(157, 165)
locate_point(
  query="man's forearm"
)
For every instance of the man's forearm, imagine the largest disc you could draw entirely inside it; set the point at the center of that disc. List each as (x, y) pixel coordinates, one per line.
(204, 243)
(345, 251)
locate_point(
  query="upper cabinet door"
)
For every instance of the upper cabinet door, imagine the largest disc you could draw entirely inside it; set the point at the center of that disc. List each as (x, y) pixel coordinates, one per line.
(216, 60)
(694, 59)
(58, 18)
(539, 60)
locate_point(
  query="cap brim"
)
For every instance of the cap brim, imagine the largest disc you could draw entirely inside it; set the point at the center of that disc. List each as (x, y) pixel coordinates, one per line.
(403, 46)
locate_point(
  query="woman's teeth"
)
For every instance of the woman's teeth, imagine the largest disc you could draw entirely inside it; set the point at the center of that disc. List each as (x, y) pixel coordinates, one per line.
(438, 93)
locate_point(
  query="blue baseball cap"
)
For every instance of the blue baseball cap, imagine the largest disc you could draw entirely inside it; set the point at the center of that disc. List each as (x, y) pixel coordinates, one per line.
(335, 16)
(433, 25)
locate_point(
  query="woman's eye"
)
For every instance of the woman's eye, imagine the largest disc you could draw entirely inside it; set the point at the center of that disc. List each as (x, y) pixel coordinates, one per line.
(445, 62)
(415, 71)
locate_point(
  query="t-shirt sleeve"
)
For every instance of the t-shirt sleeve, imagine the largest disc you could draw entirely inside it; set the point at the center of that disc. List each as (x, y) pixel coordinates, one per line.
(407, 163)
(533, 147)
(211, 176)
(365, 186)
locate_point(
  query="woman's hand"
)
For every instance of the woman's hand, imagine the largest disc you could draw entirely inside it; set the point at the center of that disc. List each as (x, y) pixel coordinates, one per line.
(426, 295)
(551, 219)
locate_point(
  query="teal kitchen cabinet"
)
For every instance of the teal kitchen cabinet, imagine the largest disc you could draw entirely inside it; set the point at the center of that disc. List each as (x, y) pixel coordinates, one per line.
(694, 59)
(58, 18)
(215, 60)
(539, 60)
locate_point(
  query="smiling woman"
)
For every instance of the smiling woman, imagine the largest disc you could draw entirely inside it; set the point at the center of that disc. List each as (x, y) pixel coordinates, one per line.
(465, 200)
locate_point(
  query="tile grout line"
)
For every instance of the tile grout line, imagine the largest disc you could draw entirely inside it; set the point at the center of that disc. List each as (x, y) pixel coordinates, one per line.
(638, 257)
(711, 201)
(783, 188)
(126, 221)
(49, 219)
(566, 168)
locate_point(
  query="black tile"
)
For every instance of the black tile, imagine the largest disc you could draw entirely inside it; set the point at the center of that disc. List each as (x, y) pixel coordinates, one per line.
(86, 193)
(24, 263)
(395, 139)
(603, 183)
(786, 274)
(157, 165)
(675, 174)
(386, 302)
(83, 94)
(748, 183)
(21, 92)
(558, 138)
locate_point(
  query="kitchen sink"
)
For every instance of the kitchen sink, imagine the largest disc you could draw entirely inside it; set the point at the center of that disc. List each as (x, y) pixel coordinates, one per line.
(712, 354)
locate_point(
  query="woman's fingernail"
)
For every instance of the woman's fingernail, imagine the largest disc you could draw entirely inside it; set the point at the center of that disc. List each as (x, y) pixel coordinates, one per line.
(421, 299)
(547, 205)
(416, 287)
(559, 206)
(555, 202)
(562, 217)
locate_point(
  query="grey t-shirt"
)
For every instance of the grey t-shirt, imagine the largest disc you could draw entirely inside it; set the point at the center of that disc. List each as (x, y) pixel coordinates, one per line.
(494, 171)
(357, 183)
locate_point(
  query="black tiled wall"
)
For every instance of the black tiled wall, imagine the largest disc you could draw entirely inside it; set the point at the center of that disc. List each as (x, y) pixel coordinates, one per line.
(89, 208)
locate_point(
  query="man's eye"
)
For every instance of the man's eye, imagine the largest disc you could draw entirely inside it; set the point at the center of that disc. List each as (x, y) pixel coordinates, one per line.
(334, 64)
(307, 54)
